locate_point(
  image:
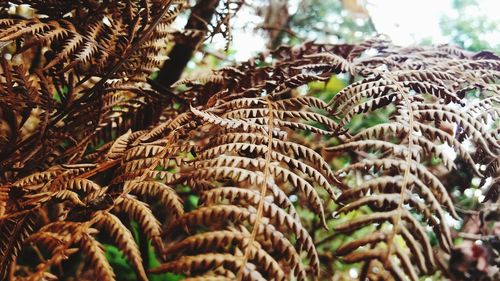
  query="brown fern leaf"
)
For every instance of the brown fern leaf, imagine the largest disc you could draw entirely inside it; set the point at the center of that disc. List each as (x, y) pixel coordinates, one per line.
(235, 160)
(123, 238)
(95, 255)
(13, 233)
(396, 176)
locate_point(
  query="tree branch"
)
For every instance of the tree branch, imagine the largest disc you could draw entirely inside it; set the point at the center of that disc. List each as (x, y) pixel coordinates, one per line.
(181, 53)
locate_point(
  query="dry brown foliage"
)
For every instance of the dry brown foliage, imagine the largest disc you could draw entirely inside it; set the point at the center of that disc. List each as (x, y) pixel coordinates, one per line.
(237, 139)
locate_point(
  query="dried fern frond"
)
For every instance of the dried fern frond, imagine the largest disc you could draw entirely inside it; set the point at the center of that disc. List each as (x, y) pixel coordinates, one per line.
(78, 74)
(232, 155)
(400, 184)
(94, 38)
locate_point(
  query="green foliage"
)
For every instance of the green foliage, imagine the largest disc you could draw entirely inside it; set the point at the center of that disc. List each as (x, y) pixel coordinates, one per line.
(469, 29)
(327, 21)
(119, 263)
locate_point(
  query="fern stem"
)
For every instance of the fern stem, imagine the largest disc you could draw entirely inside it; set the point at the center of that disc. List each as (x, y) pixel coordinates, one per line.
(406, 175)
(263, 187)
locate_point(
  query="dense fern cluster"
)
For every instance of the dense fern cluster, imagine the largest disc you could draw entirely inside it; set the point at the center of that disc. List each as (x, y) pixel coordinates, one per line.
(252, 146)
(77, 75)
